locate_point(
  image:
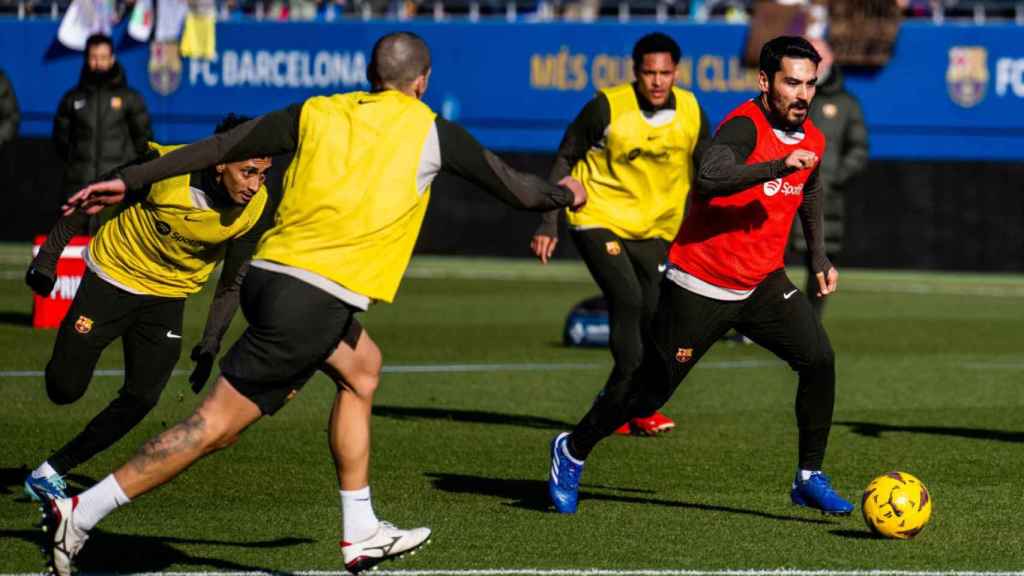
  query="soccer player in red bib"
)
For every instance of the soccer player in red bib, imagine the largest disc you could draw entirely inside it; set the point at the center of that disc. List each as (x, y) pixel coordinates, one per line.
(726, 271)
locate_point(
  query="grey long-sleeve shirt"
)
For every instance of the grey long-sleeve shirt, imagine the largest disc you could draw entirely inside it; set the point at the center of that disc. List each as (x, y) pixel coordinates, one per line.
(278, 133)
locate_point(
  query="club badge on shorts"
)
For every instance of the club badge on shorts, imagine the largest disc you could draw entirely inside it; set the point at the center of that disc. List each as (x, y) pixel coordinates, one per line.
(683, 355)
(613, 248)
(83, 325)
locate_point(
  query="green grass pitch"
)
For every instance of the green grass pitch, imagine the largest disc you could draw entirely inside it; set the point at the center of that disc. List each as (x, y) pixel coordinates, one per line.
(930, 380)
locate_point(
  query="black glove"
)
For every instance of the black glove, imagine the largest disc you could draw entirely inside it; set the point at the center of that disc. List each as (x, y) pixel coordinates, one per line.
(39, 283)
(204, 365)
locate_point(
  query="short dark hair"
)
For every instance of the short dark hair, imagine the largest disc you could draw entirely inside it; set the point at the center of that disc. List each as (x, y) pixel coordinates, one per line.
(781, 47)
(98, 40)
(654, 43)
(398, 59)
(230, 121)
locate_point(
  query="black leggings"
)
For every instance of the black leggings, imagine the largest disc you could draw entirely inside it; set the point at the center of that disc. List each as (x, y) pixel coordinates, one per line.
(775, 316)
(627, 271)
(150, 329)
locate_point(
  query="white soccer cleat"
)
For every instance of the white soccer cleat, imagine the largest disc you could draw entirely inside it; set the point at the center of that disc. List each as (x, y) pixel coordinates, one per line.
(388, 543)
(63, 539)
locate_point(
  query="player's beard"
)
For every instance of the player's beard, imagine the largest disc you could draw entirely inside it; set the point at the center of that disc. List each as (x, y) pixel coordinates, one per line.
(780, 111)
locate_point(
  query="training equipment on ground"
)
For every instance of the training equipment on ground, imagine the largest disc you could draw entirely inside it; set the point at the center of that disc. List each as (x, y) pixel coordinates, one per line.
(896, 505)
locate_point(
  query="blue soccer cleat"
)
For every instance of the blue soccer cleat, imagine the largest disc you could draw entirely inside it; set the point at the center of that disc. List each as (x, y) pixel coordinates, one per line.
(49, 488)
(564, 480)
(816, 492)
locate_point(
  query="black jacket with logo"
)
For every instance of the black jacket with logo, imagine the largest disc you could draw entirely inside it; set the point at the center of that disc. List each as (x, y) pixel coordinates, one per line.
(101, 124)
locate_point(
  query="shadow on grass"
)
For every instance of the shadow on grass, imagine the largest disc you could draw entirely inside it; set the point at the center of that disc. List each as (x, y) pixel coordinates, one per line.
(875, 430)
(855, 534)
(112, 553)
(11, 318)
(533, 495)
(470, 416)
(11, 480)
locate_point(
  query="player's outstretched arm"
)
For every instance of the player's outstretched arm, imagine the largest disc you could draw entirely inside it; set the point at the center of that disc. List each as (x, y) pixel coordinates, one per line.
(269, 135)
(463, 156)
(96, 197)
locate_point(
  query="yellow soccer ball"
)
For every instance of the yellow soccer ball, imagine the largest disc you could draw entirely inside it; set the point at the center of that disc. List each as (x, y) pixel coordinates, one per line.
(896, 505)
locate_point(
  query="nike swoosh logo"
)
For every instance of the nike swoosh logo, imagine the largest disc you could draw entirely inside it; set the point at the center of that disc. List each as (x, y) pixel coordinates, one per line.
(171, 334)
(190, 218)
(787, 295)
(368, 101)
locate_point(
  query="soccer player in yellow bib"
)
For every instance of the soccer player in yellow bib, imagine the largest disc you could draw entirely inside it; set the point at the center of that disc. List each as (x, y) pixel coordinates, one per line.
(353, 202)
(634, 147)
(142, 264)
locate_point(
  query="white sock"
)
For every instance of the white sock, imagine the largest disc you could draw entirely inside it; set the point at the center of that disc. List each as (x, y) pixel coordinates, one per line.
(805, 475)
(43, 471)
(358, 522)
(97, 502)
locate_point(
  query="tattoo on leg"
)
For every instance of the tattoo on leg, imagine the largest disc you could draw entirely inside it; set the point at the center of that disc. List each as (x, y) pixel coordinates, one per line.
(184, 436)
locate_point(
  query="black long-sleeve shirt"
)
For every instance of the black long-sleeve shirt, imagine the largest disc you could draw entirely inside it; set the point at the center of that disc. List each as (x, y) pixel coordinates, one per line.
(587, 131)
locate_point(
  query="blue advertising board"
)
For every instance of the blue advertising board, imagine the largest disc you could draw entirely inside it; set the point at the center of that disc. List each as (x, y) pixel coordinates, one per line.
(949, 91)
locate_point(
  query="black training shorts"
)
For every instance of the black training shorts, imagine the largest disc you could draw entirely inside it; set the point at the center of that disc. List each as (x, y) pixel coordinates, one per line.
(293, 328)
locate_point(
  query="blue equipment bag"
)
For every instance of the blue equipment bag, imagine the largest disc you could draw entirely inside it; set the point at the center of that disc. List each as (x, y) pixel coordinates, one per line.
(587, 324)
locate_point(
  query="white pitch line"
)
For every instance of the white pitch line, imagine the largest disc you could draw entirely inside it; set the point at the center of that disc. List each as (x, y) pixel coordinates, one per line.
(448, 368)
(671, 572)
(576, 572)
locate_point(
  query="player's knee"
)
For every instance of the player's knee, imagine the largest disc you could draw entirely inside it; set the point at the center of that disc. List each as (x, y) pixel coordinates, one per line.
(824, 359)
(221, 441)
(213, 434)
(629, 307)
(65, 384)
(365, 382)
(365, 378)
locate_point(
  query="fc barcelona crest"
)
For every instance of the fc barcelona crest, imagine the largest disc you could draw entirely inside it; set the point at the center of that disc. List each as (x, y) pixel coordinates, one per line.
(164, 67)
(83, 325)
(967, 75)
(683, 355)
(613, 248)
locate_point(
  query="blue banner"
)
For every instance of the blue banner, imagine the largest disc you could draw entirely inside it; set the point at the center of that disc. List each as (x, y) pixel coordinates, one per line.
(949, 92)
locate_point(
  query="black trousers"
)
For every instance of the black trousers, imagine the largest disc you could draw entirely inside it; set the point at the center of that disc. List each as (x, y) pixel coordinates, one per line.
(150, 330)
(627, 271)
(686, 325)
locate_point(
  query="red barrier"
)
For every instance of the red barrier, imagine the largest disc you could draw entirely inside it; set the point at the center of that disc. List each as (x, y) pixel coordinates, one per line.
(49, 311)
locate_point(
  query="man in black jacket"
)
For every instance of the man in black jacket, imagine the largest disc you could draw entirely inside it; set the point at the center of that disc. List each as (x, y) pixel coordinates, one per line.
(101, 123)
